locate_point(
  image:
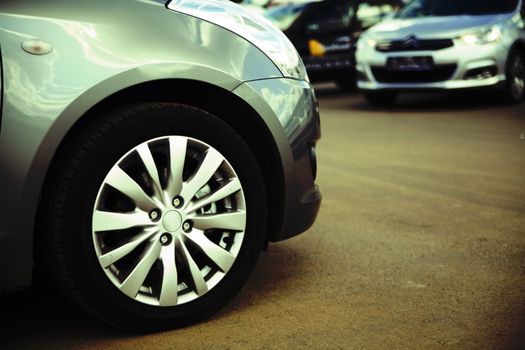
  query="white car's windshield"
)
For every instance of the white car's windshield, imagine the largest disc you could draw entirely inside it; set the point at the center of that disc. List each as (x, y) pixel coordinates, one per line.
(428, 8)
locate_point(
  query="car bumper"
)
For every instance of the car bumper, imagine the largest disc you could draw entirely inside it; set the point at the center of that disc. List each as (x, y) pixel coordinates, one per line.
(290, 110)
(330, 66)
(463, 63)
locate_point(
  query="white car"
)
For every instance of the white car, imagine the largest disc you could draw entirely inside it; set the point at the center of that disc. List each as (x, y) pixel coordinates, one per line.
(445, 45)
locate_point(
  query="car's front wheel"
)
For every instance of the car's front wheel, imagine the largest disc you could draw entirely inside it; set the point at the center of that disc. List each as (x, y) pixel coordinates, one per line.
(347, 82)
(153, 216)
(515, 77)
(380, 98)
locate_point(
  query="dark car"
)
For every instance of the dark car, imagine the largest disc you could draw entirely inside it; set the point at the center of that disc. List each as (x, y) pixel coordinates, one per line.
(325, 33)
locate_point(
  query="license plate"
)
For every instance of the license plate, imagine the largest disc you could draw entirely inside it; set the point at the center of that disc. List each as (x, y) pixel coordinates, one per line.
(410, 64)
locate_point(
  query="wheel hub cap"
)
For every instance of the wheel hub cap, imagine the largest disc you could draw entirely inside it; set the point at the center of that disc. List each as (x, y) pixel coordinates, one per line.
(172, 221)
(169, 220)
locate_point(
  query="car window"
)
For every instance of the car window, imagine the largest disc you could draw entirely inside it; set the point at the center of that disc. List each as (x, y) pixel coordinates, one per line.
(370, 12)
(328, 16)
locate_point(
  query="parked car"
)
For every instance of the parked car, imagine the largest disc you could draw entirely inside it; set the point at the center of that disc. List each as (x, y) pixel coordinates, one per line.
(143, 168)
(446, 45)
(325, 33)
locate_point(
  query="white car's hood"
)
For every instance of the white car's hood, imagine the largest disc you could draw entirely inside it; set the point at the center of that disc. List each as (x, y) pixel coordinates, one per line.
(434, 27)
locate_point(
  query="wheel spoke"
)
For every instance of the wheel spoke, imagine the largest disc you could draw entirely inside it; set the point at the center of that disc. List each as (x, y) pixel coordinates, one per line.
(228, 189)
(198, 280)
(110, 221)
(136, 278)
(177, 157)
(147, 158)
(209, 165)
(168, 293)
(222, 258)
(230, 221)
(116, 254)
(122, 182)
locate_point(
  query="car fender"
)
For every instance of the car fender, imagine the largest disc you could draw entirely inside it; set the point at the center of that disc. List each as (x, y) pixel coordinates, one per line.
(95, 54)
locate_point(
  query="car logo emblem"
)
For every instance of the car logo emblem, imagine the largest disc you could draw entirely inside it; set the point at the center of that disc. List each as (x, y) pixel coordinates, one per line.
(411, 41)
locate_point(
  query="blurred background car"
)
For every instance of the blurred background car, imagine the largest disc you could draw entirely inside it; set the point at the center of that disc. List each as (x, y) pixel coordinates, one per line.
(447, 45)
(260, 6)
(256, 6)
(325, 33)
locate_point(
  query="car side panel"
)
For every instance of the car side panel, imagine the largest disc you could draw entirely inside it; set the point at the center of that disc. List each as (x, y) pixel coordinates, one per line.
(97, 50)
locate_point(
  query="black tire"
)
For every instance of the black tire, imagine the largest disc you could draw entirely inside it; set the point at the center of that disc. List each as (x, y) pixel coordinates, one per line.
(347, 84)
(514, 91)
(380, 98)
(71, 191)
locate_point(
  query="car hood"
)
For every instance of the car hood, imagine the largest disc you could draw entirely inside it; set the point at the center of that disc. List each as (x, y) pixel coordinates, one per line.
(434, 27)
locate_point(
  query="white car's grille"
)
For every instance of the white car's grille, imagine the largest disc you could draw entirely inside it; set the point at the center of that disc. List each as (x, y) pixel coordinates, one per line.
(414, 44)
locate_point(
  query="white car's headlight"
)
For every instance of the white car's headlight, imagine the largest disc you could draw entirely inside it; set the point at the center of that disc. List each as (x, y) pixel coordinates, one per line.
(252, 27)
(366, 41)
(482, 37)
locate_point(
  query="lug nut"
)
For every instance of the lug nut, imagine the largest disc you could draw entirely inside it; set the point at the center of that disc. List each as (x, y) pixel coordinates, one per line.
(165, 239)
(187, 226)
(177, 202)
(154, 214)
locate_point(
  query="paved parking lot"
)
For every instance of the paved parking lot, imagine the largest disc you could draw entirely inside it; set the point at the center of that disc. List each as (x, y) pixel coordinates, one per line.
(420, 243)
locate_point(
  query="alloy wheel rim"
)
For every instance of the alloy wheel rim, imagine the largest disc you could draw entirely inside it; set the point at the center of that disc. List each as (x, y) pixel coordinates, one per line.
(169, 221)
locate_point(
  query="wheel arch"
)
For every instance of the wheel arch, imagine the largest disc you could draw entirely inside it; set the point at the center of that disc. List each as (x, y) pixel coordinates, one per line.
(218, 101)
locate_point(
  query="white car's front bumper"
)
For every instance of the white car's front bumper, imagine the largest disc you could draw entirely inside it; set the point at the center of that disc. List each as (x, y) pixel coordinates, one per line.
(456, 64)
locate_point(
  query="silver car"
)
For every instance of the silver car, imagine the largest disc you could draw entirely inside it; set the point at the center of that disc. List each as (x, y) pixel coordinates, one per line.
(148, 152)
(447, 45)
